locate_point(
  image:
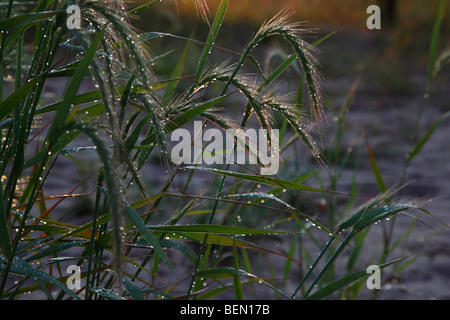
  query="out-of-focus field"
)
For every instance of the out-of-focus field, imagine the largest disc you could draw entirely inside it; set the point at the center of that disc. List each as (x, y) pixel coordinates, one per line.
(405, 43)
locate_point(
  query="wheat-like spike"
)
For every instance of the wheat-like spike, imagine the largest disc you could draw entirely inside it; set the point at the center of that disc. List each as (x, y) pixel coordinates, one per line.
(294, 33)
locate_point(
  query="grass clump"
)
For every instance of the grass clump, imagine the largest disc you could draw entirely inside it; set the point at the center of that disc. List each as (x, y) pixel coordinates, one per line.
(179, 231)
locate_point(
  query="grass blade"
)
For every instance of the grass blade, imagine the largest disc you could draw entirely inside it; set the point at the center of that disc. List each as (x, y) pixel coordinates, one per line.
(72, 88)
(7, 105)
(5, 241)
(341, 283)
(226, 272)
(435, 39)
(215, 229)
(416, 150)
(184, 118)
(262, 179)
(220, 15)
(27, 18)
(133, 289)
(108, 294)
(53, 250)
(140, 225)
(177, 72)
(375, 169)
(21, 267)
(145, 5)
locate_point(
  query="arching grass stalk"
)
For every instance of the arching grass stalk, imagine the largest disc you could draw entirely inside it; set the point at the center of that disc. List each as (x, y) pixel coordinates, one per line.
(367, 215)
(280, 26)
(277, 26)
(329, 262)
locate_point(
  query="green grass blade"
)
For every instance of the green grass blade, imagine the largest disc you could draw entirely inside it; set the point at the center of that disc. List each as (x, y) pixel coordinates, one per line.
(148, 236)
(185, 118)
(215, 229)
(261, 196)
(216, 291)
(133, 289)
(5, 241)
(226, 272)
(291, 252)
(125, 97)
(375, 168)
(416, 150)
(264, 180)
(352, 220)
(220, 15)
(178, 247)
(108, 294)
(223, 241)
(278, 71)
(27, 18)
(138, 204)
(21, 267)
(72, 88)
(341, 283)
(86, 97)
(7, 105)
(134, 136)
(238, 292)
(279, 183)
(54, 250)
(435, 39)
(312, 267)
(177, 72)
(192, 113)
(145, 5)
(329, 263)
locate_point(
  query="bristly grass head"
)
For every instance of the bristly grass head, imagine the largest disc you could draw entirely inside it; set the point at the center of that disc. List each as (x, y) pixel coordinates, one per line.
(295, 117)
(295, 33)
(262, 104)
(122, 39)
(121, 56)
(202, 9)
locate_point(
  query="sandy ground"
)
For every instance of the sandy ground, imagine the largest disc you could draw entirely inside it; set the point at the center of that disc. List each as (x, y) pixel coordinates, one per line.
(388, 116)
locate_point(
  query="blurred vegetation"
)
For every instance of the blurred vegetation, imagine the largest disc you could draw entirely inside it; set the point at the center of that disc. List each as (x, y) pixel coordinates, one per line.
(411, 15)
(324, 11)
(386, 53)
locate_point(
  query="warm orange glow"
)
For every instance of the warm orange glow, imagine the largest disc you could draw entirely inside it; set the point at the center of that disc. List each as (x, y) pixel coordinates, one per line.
(331, 12)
